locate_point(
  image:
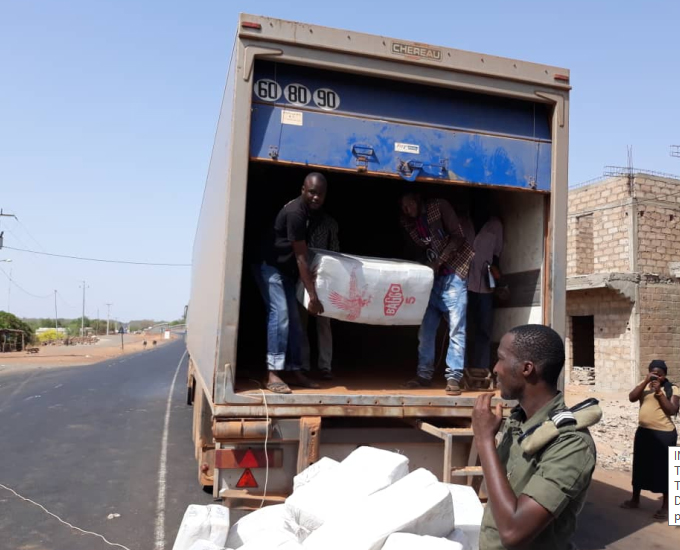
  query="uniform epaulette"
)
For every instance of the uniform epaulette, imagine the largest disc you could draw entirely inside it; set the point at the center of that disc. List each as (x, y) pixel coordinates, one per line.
(578, 417)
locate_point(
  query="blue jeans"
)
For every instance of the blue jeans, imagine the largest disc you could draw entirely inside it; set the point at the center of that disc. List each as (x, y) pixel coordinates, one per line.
(448, 297)
(284, 329)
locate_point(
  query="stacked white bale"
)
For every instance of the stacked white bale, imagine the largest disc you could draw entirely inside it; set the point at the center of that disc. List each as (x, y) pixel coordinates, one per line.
(331, 492)
(371, 291)
(418, 504)
(203, 523)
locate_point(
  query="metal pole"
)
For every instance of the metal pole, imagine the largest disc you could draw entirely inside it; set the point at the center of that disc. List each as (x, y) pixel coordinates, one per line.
(82, 319)
(56, 315)
(9, 290)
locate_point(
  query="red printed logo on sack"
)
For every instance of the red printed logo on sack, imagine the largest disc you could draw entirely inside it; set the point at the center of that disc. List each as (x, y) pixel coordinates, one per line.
(355, 302)
(394, 299)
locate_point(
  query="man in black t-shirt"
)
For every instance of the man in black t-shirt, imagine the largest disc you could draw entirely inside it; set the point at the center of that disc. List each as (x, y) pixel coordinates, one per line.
(285, 259)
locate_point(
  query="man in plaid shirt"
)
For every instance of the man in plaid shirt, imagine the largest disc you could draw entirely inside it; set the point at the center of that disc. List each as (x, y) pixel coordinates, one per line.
(435, 230)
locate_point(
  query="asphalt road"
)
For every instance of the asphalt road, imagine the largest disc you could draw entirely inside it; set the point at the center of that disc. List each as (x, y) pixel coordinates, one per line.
(85, 442)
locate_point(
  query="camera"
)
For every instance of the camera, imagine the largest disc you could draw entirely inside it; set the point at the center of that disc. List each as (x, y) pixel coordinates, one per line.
(653, 377)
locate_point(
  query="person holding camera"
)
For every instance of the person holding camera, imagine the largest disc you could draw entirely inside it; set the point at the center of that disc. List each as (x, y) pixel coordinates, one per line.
(659, 402)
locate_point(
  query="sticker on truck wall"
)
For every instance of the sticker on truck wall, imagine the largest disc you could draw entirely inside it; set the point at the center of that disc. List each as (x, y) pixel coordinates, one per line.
(416, 51)
(297, 94)
(326, 99)
(294, 118)
(407, 148)
(267, 90)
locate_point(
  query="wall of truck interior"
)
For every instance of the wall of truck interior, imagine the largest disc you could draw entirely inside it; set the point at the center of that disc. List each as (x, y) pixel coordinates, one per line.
(367, 211)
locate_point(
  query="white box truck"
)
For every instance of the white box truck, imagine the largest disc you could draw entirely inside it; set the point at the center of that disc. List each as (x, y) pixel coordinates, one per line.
(377, 116)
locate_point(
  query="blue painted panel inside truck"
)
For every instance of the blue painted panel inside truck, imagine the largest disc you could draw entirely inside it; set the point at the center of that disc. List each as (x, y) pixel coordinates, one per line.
(338, 141)
(400, 129)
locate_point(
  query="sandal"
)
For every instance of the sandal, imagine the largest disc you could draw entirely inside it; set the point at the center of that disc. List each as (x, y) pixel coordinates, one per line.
(453, 388)
(661, 515)
(278, 387)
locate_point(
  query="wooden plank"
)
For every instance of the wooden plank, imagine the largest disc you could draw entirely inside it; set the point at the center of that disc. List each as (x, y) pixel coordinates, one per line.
(310, 434)
(467, 471)
(243, 500)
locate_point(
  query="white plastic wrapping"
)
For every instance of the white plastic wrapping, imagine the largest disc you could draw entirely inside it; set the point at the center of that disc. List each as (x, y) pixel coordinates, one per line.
(371, 291)
(324, 464)
(332, 492)
(469, 511)
(418, 504)
(203, 523)
(275, 520)
(407, 541)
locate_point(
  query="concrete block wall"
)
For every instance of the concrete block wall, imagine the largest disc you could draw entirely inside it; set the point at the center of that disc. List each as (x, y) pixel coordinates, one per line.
(659, 307)
(614, 343)
(598, 228)
(658, 224)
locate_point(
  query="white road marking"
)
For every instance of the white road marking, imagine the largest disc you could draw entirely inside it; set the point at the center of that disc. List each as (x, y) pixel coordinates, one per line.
(163, 467)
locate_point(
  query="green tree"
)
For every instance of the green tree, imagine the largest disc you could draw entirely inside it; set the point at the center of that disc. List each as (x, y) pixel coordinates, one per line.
(9, 321)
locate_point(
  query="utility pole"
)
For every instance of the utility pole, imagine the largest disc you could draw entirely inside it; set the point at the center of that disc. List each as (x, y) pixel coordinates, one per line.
(56, 315)
(9, 290)
(108, 317)
(4, 215)
(97, 322)
(82, 319)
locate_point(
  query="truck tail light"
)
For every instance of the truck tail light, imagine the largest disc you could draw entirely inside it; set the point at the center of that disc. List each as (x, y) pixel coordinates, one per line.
(562, 77)
(250, 25)
(247, 480)
(231, 459)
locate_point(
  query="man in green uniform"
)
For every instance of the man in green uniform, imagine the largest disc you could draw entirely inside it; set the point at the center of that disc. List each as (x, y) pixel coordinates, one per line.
(538, 476)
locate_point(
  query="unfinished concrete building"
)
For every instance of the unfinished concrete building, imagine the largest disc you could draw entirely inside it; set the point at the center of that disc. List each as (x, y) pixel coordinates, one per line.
(623, 278)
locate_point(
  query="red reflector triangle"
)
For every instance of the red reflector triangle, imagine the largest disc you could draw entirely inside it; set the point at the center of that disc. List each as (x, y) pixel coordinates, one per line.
(248, 460)
(247, 480)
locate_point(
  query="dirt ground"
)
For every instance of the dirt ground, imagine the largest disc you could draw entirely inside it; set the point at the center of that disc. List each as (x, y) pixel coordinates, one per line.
(603, 524)
(615, 432)
(108, 347)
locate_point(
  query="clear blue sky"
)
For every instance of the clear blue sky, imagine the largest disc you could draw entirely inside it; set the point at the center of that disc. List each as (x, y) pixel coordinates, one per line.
(108, 110)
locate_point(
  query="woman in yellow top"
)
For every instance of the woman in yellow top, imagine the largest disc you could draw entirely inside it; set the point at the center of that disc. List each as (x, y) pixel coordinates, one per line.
(659, 402)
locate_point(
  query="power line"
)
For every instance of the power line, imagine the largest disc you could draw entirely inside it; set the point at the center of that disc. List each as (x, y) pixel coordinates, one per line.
(65, 302)
(12, 281)
(29, 234)
(128, 262)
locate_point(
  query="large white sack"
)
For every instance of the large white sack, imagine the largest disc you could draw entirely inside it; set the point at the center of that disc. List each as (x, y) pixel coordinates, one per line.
(458, 536)
(365, 471)
(370, 290)
(273, 540)
(270, 519)
(468, 510)
(209, 523)
(205, 545)
(407, 541)
(323, 465)
(417, 504)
